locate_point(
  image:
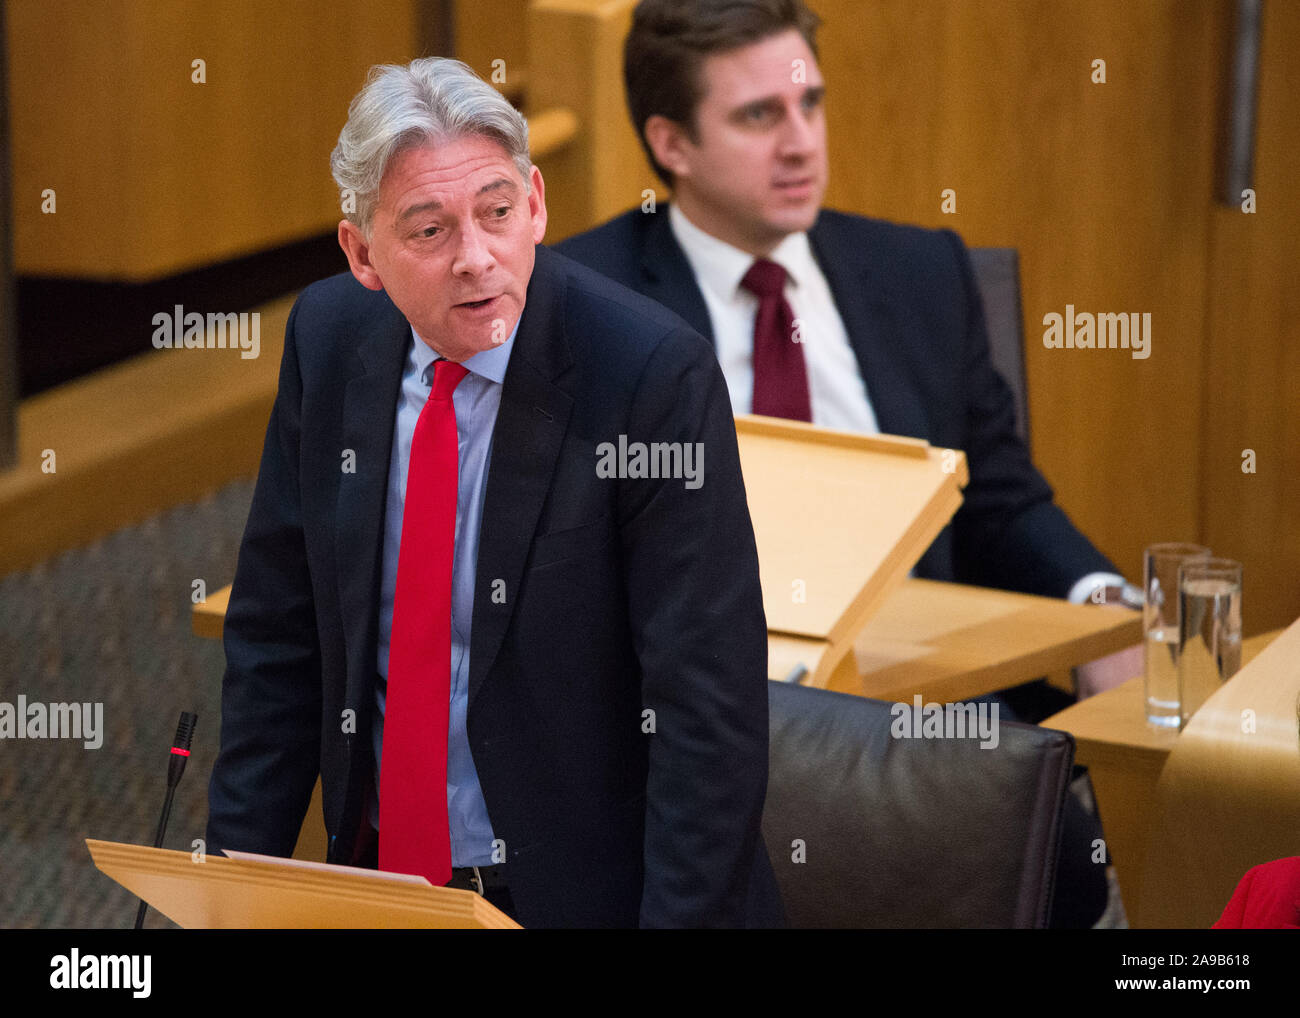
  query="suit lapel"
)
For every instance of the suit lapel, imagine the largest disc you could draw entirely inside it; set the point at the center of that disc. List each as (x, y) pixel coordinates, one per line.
(369, 404)
(526, 441)
(667, 276)
(872, 320)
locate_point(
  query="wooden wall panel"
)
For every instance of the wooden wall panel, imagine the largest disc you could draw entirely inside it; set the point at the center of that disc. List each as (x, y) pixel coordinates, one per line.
(491, 30)
(1104, 188)
(155, 174)
(576, 62)
(1251, 384)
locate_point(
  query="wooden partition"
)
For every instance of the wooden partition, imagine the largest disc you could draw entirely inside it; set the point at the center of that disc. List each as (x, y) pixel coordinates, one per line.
(154, 172)
(1107, 190)
(1103, 189)
(1252, 359)
(576, 62)
(492, 37)
(1229, 795)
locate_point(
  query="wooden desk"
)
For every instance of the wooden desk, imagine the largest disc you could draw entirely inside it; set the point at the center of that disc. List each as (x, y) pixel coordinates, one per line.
(1124, 756)
(942, 640)
(950, 642)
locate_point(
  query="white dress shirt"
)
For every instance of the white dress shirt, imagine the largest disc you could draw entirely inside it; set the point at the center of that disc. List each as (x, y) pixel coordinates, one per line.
(838, 393)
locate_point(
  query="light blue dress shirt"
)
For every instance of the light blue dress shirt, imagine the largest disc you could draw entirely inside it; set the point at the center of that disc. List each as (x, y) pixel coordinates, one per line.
(476, 399)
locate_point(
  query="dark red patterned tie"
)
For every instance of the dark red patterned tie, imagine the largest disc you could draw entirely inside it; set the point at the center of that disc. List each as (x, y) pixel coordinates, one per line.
(780, 377)
(413, 830)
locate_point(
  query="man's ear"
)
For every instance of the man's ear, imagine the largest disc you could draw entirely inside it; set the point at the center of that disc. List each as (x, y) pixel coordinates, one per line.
(357, 249)
(537, 204)
(670, 143)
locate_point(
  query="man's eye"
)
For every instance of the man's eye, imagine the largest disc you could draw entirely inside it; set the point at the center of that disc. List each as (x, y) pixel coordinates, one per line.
(757, 114)
(501, 212)
(429, 231)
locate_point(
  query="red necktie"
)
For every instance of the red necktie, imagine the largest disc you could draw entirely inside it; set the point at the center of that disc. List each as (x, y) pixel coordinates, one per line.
(413, 833)
(780, 378)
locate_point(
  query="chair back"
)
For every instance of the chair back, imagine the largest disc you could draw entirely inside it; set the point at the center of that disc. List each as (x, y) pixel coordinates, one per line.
(997, 274)
(869, 830)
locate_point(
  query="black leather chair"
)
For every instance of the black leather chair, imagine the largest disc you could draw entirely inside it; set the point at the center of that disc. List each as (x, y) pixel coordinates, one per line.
(909, 833)
(997, 276)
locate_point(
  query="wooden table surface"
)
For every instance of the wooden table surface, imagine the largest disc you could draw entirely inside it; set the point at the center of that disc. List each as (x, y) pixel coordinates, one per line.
(1113, 726)
(209, 618)
(948, 642)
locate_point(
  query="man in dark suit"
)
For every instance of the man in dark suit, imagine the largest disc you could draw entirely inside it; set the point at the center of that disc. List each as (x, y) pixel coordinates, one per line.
(889, 331)
(603, 728)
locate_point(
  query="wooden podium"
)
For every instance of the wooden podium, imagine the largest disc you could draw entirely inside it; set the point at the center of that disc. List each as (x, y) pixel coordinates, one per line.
(261, 892)
(840, 520)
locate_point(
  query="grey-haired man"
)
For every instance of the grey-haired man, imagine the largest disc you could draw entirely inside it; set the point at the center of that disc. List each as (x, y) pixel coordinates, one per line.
(604, 688)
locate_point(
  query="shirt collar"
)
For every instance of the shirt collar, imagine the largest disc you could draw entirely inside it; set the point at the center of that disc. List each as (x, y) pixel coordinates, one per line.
(490, 363)
(721, 266)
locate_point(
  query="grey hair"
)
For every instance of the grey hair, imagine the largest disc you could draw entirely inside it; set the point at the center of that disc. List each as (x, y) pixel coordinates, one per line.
(432, 99)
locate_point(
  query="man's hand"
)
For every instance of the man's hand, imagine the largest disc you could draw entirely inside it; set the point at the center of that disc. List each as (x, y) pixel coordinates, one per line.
(1110, 671)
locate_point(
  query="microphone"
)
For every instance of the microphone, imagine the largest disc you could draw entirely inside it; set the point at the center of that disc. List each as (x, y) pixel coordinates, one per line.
(175, 768)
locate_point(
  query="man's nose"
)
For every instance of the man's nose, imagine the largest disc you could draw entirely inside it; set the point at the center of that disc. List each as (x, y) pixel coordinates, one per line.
(473, 256)
(799, 132)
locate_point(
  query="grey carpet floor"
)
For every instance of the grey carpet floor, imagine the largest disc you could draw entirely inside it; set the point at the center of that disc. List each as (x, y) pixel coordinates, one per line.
(109, 623)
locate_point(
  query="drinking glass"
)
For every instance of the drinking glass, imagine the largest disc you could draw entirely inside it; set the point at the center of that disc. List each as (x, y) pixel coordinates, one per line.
(1209, 596)
(1161, 629)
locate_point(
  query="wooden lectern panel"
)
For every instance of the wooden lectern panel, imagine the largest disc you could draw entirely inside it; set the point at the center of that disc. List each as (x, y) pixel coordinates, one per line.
(257, 892)
(840, 518)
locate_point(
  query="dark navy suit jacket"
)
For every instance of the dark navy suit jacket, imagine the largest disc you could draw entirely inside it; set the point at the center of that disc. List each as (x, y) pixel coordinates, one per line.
(913, 315)
(622, 596)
